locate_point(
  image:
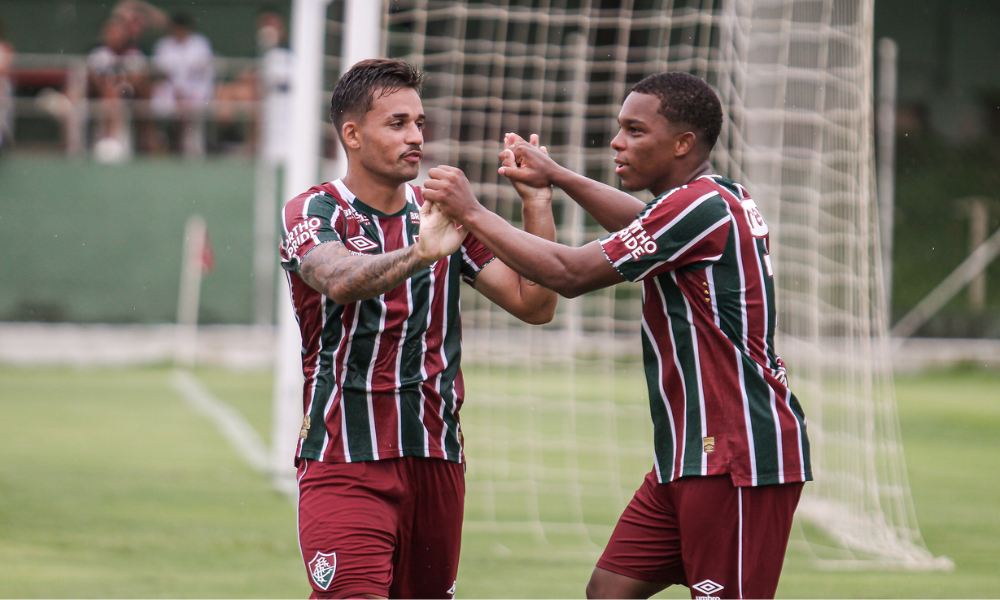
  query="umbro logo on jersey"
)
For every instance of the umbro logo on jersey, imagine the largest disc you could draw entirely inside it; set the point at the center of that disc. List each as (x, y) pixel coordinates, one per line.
(707, 587)
(361, 243)
(636, 240)
(322, 568)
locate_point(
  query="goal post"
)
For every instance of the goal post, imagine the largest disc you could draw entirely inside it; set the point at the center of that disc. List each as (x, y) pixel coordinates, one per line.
(556, 417)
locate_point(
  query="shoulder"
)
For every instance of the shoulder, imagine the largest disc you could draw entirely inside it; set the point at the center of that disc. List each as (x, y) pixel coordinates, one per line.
(727, 187)
(319, 200)
(200, 41)
(100, 58)
(164, 45)
(701, 197)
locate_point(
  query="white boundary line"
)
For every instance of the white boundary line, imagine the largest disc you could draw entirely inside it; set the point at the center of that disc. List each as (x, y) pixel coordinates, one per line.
(231, 424)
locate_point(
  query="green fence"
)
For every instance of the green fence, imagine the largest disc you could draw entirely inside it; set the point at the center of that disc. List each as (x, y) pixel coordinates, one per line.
(74, 26)
(84, 242)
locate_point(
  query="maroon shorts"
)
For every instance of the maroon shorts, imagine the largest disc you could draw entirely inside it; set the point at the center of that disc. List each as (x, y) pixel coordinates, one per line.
(388, 527)
(719, 540)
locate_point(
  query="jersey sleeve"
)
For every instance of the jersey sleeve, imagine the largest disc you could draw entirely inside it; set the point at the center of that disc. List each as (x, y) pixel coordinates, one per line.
(475, 256)
(308, 223)
(675, 231)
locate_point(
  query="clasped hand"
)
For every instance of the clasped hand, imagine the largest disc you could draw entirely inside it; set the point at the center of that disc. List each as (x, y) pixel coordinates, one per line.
(525, 164)
(439, 236)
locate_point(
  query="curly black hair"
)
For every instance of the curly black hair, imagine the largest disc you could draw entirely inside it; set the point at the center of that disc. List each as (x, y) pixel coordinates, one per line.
(688, 100)
(355, 92)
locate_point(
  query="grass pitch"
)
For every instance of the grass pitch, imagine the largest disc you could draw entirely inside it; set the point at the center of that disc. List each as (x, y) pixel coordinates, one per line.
(110, 486)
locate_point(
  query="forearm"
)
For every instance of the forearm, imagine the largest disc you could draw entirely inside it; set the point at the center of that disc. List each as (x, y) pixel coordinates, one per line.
(539, 222)
(612, 208)
(536, 259)
(347, 278)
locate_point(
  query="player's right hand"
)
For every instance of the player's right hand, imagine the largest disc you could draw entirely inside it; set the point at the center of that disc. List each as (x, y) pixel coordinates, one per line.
(439, 235)
(527, 192)
(527, 163)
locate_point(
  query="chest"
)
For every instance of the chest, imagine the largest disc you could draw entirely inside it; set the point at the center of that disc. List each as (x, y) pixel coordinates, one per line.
(371, 234)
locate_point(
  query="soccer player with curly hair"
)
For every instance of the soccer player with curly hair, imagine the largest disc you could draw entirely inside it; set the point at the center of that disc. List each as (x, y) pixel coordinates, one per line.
(731, 452)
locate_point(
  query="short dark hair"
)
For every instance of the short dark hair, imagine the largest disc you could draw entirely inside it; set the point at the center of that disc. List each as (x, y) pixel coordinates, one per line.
(686, 99)
(182, 19)
(355, 92)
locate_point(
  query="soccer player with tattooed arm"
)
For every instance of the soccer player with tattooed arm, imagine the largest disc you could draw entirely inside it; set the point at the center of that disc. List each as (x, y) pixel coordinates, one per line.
(375, 274)
(731, 452)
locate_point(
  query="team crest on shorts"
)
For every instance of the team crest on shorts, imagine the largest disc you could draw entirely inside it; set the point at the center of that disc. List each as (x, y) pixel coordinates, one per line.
(321, 569)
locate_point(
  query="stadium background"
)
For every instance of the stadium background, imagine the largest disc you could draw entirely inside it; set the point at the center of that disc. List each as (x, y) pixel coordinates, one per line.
(948, 149)
(88, 243)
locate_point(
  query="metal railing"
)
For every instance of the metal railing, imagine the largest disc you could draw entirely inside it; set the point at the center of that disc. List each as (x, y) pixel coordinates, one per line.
(68, 101)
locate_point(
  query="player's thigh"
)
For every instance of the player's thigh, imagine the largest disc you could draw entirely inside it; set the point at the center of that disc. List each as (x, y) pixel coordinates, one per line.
(426, 564)
(767, 522)
(733, 539)
(644, 549)
(605, 584)
(348, 519)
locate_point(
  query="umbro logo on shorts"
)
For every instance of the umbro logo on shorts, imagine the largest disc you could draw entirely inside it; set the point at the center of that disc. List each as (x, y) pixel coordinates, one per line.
(321, 569)
(707, 587)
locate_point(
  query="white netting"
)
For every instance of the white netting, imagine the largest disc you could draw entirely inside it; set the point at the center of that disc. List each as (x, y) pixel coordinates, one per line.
(559, 434)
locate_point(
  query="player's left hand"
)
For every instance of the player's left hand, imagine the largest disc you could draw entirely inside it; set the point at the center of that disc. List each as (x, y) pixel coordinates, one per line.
(450, 190)
(439, 235)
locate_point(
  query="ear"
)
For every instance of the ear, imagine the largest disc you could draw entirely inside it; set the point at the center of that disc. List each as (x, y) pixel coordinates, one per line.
(685, 143)
(350, 132)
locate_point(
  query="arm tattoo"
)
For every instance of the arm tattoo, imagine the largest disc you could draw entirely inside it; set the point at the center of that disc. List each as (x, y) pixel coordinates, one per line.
(345, 277)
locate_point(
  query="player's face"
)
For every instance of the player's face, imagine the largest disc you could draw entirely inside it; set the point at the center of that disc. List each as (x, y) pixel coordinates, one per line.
(391, 136)
(644, 146)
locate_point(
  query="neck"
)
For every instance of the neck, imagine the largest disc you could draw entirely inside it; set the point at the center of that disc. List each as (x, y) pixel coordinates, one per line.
(384, 196)
(683, 177)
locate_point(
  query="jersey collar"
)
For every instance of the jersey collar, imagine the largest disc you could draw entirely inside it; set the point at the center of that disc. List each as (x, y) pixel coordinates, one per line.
(357, 204)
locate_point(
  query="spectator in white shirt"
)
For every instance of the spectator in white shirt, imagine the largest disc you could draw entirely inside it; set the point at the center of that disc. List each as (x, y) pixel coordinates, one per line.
(275, 76)
(185, 60)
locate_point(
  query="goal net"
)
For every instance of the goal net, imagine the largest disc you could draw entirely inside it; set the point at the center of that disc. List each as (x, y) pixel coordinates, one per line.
(558, 433)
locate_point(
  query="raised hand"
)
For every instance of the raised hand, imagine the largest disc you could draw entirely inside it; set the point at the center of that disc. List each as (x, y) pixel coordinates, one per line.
(531, 163)
(527, 192)
(450, 190)
(439, 235)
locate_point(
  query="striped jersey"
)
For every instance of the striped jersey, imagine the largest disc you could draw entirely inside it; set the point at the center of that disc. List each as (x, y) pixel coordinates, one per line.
(717, 389)
(382, 376)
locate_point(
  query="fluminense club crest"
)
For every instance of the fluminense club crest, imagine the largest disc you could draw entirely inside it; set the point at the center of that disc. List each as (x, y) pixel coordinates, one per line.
(321, 569)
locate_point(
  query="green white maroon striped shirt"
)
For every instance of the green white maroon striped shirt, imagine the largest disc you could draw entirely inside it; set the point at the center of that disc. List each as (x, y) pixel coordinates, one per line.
(382, 376)
(717, 389)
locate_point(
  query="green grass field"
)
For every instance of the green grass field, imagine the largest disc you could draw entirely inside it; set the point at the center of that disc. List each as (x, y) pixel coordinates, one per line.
(111, 486)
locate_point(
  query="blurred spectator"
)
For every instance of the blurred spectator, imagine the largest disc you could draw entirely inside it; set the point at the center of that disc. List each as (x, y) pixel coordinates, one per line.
(235, 111)
(117, 73)
(140, 17)
(267, 83)
(6, 91)
(275, 75)
(185, 60)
